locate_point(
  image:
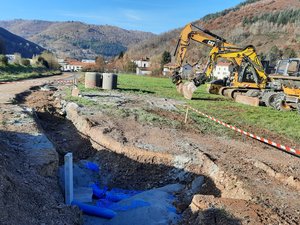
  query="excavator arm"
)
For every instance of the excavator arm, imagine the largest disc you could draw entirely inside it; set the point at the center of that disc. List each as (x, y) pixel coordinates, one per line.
(201, 36)
(244, 58)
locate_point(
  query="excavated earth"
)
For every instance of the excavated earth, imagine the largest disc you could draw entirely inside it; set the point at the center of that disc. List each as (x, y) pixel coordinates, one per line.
(142, 143)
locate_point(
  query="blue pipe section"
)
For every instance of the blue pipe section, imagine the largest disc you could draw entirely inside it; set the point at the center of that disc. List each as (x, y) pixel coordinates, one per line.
(95, 211)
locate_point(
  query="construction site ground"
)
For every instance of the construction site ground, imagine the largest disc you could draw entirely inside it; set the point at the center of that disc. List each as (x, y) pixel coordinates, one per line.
(141, 142)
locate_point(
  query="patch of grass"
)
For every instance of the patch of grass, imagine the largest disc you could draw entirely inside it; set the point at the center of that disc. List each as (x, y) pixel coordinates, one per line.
(146, 117)
(255, 119)
(17, 72)
(79, 101)
(247, 117)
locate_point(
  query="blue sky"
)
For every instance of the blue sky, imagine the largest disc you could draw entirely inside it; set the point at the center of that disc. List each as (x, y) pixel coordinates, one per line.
(156, 16)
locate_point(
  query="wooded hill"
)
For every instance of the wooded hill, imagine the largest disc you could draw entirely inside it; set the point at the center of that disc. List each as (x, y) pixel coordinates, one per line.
(11, 43)
(272, 26)
(76, 39)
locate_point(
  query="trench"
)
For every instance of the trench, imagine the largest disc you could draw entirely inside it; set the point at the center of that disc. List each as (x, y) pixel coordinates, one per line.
(132, 171)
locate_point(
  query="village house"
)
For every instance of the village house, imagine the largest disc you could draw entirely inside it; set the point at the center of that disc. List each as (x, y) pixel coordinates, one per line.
(143, 66)
(88, 61)
(143, 71)
(169, 69)
(222, 70)
(10, 58)
(73, 65)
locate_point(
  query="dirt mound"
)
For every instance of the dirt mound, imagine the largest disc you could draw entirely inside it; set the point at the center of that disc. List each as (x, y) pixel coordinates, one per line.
(29, 192)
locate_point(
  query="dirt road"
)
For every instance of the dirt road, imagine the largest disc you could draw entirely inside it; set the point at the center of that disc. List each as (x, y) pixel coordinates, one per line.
(9, 90)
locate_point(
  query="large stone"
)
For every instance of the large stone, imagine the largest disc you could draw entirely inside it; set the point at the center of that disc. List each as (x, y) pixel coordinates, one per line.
(253, 101)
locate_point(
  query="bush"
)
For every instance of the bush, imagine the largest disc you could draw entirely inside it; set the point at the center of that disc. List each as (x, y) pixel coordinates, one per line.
(25, 62)
(3, 60)
(130, 67)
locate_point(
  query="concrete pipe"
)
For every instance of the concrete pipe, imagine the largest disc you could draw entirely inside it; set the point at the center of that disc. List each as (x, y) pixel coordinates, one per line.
(93, 79)
(109, 81)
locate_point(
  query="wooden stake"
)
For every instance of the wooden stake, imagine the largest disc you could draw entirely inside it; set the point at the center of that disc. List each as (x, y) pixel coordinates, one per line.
(186, 115)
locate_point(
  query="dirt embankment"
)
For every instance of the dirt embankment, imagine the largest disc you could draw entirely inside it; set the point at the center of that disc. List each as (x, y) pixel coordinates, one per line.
(237, 189)
(29, 192)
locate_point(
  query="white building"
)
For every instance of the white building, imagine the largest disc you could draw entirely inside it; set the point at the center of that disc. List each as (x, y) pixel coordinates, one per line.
(88, 61)
(143, 63)
(11, 58)
(143, 71)
(169, 69)
(222, 70)
(143, 66)
(73, 65)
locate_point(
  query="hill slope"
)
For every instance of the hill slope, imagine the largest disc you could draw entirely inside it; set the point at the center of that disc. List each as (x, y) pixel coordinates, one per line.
(76, 39)
(262, 23)
(13, 43)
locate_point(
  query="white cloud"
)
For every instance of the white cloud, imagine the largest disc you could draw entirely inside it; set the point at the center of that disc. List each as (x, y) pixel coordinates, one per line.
(132, 15)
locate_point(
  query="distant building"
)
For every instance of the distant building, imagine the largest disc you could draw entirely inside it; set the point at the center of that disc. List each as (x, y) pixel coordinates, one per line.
(143, 66)
(88, 61)
(169, 69)
(143, 71)
(72, 65)
(11, 58)
(142, 63)
(222, 70)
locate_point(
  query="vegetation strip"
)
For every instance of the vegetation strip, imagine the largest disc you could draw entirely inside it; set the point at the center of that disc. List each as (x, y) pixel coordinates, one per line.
(38, 82)
(264, 140)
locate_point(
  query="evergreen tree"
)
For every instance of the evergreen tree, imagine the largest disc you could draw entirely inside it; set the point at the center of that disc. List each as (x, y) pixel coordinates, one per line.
(121, 55)
(274, 54)
(166, 58)
(289, 53)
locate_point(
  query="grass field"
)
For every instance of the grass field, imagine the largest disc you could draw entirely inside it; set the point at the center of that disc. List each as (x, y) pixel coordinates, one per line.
(262, 120)
(19, 72)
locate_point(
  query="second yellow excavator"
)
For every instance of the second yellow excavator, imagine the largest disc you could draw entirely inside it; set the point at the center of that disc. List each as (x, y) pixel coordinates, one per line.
(248, 74)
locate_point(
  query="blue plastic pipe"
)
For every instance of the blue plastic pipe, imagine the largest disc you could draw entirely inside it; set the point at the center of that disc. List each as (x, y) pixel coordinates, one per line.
(95, 211)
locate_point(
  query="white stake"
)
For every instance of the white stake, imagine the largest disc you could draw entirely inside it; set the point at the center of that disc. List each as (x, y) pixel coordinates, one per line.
(68, 178)
(186, 115)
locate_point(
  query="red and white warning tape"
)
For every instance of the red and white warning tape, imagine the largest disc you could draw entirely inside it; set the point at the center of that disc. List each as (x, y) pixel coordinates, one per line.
(39, 82)
(267, 141)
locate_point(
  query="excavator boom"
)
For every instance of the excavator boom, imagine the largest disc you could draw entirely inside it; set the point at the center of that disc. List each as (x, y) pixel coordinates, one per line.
(251, 73)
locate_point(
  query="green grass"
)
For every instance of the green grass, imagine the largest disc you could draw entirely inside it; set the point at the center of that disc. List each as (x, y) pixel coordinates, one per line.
(17, 72)
(255, 119)
(247, 117)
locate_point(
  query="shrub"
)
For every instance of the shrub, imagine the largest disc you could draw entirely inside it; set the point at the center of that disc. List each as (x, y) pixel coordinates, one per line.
(3, 60)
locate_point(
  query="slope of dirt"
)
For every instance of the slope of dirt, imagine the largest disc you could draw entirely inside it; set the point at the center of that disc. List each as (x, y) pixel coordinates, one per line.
(256, 178)
(29, 191)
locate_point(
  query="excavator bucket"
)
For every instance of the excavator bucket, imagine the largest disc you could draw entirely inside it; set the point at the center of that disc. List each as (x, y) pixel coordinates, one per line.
(187, 89)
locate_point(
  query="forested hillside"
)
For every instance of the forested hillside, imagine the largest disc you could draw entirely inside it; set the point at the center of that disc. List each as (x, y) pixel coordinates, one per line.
(11, 43)
(272, 26)
(76, 39)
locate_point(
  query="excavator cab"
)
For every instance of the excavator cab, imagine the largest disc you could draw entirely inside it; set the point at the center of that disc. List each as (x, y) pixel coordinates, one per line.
(288, 67)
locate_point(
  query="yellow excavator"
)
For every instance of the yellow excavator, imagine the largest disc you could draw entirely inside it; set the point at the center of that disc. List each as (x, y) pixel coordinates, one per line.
(249, 75)
(287, 76)
(280, 90)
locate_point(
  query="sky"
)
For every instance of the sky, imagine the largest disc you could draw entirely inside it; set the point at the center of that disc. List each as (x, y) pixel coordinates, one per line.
(155, 16)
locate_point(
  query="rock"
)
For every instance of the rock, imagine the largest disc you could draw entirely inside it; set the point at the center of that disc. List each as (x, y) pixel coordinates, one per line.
(75, 92)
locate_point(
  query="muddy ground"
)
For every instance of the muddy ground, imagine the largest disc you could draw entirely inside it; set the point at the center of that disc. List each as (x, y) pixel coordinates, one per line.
(142, 143)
